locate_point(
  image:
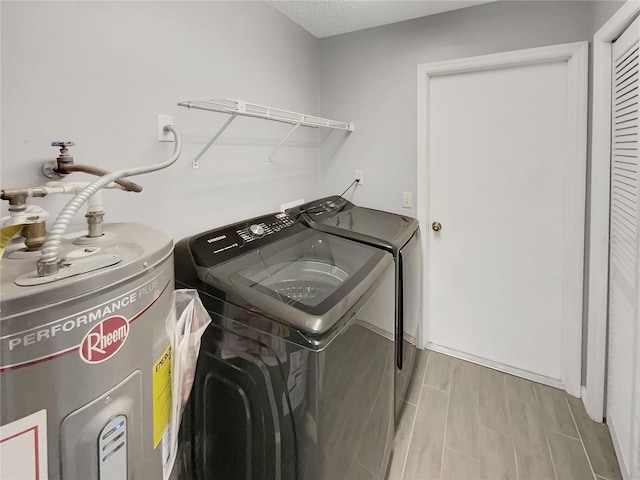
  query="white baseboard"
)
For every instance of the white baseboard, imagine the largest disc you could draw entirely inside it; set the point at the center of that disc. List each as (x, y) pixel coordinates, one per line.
(380, 331)
(386, 334)
(518, 372)
(593, 406)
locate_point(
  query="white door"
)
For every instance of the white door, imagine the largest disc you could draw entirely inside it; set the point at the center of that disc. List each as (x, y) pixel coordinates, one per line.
(623, 392)
(506, 173)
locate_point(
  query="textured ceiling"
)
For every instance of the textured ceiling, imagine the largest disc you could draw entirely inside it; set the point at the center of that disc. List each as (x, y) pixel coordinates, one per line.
(324, 18)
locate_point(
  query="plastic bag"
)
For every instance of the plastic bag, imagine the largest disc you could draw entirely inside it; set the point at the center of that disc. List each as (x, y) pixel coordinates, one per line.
(185, 325)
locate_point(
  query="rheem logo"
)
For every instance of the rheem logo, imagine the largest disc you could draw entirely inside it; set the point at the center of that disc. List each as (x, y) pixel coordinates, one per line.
(104, 340)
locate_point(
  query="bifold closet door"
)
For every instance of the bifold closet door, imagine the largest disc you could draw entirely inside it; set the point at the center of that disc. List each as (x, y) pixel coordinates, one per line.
(623, 389)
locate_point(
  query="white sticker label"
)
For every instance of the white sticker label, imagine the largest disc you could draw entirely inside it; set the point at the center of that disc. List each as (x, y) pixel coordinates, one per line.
(168, 457)
(25, 443)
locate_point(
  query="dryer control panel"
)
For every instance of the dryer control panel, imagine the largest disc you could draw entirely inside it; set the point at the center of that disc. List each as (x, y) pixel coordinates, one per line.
(219, 245)
(319, 209)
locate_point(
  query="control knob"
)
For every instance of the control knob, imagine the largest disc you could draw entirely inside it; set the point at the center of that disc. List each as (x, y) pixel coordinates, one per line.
(256, 230)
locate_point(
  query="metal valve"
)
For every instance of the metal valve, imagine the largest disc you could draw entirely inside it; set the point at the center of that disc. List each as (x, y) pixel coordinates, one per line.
(63, 165)
(63, 144)
(56, 169)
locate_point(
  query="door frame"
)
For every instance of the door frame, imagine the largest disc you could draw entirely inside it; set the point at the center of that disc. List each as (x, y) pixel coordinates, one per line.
(593, 393)
(576, 56)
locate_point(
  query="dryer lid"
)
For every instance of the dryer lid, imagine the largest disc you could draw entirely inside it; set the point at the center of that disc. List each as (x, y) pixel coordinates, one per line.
(375, 227)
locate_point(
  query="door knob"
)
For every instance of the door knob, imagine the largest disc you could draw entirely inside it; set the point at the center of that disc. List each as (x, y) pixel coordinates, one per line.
(436, 226)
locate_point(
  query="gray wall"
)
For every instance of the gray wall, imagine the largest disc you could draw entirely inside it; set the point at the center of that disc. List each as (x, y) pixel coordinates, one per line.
(369, 77)
(98, 73)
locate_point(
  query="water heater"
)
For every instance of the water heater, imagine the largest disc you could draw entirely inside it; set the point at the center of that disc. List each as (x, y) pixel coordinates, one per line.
(84, 359)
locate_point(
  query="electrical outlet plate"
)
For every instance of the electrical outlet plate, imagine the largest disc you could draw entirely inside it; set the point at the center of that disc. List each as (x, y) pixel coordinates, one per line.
(163, 121)
(407, 199)
(359, 175)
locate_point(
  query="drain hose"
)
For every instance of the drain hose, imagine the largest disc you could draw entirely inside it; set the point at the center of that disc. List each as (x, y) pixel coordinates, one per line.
(48, 263)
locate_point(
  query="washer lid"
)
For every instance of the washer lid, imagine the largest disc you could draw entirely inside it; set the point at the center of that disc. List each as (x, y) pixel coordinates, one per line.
(309, 280)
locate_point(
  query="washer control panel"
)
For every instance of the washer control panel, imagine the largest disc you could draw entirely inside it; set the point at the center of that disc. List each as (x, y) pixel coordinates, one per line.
(222, 244)
(256, 230)
(270, 226)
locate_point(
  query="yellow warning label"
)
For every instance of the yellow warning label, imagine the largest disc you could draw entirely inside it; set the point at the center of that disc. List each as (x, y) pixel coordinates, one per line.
(6, 234)
(161, 395)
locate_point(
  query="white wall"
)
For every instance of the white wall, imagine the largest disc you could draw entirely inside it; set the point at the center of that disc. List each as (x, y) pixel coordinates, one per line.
(369, 77)
(97, 73)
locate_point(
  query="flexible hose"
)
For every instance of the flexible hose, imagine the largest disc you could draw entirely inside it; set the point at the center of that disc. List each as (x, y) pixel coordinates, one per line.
(49, 256)
(129, 186)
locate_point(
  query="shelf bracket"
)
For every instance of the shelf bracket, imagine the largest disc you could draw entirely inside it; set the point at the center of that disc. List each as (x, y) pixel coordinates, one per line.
(195, 163)
(291, 132)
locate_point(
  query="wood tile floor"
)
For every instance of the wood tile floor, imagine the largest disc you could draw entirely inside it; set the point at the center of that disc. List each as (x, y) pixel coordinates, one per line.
(467, 422)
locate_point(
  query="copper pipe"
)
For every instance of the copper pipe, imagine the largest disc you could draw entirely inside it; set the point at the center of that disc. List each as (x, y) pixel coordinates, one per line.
(35, 235)
(65, 168)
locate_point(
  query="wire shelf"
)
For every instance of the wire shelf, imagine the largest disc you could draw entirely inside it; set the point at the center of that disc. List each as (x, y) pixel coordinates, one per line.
(245, 109)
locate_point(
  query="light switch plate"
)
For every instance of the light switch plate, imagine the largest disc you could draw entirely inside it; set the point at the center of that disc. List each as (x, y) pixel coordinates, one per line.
(407, 199)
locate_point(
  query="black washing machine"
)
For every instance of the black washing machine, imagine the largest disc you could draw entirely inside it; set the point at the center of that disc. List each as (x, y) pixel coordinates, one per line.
(292, 382)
